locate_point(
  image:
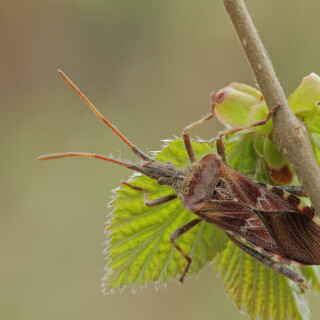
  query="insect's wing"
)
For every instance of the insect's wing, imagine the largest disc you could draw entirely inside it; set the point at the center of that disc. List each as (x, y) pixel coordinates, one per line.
(296, 234)
(280, 220)
(259, 197)
(241, 221)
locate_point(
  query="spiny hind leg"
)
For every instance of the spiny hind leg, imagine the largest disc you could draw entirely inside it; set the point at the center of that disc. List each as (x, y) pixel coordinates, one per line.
(297, 191)
(272, 263)
(220, 144)
(174, 236)
(291, 194)
(154, 202)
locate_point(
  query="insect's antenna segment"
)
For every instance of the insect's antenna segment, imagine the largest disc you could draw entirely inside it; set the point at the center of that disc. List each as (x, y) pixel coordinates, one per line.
(90, 155)
(138, 152)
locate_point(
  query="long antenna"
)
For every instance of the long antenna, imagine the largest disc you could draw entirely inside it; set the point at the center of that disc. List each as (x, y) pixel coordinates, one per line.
(90, 155)
(135, 150)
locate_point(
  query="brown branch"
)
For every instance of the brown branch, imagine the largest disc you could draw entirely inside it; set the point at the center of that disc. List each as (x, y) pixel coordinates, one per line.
(290, 135)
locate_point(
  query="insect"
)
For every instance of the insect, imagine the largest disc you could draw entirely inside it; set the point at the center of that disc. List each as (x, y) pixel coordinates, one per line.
(269, 223)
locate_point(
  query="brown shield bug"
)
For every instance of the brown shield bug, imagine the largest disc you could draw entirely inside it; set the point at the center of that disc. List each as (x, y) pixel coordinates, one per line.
(269, 223)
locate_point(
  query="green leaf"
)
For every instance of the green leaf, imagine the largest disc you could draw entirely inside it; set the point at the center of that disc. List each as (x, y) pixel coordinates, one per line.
(307, 95)
(305, 102)
(259, 291)
(139, 248)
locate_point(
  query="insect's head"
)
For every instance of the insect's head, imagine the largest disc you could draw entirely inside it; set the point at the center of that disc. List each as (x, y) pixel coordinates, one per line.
(164, 173)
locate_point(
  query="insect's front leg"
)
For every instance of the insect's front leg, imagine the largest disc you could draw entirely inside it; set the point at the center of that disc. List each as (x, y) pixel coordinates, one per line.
(272, 264)
(176, 235)
(154, 202)
(220, 144)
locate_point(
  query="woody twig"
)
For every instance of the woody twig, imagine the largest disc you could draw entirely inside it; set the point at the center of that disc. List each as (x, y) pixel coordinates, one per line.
(290, 135)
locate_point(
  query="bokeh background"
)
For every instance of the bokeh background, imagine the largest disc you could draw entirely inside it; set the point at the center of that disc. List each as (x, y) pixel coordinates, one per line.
(150, 67)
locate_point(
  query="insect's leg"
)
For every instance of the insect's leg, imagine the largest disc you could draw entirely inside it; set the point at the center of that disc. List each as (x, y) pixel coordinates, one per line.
(151, 203)
(221, 149)
(272, 264)
(220, 145)
(176, 235)
(295, 190)
(185, 134)
(256, 124)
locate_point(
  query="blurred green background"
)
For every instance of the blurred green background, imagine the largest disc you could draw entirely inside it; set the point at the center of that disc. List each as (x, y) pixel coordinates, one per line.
(150, 67)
